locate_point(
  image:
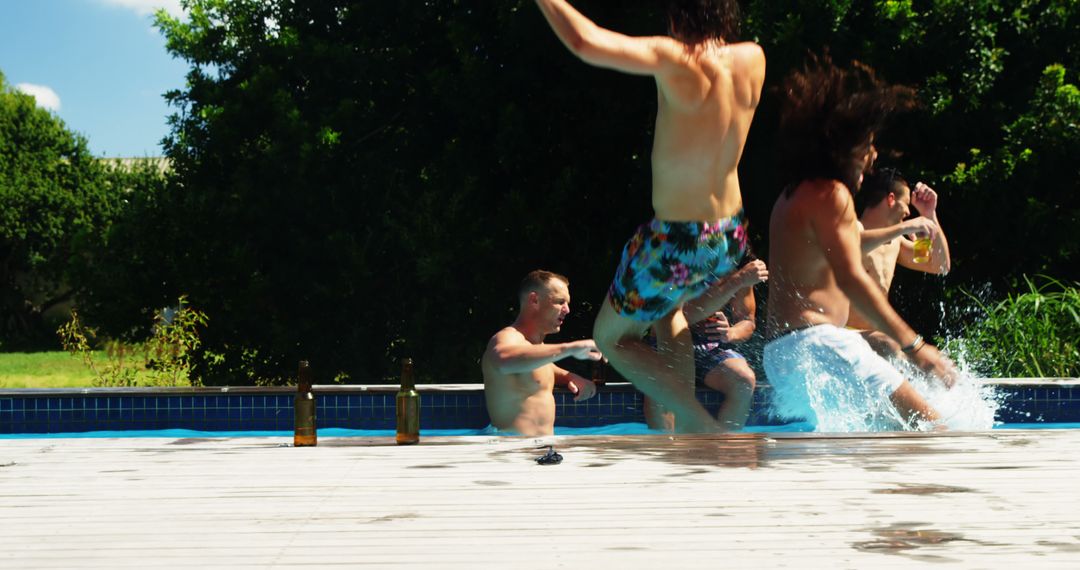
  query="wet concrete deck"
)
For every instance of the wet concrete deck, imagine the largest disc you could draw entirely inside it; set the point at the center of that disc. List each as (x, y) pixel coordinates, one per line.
(989, 500)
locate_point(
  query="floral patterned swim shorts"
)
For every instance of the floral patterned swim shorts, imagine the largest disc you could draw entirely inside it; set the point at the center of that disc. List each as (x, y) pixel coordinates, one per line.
(666, 260)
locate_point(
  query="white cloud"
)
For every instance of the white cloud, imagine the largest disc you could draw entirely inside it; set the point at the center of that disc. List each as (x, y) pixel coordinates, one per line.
(45, 96)
(148, 7)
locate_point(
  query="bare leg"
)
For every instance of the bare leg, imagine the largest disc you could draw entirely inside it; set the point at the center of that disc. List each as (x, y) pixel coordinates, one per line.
(910, 403)
(657, 416)
(662, 377)
(672, 340)
(735, 379)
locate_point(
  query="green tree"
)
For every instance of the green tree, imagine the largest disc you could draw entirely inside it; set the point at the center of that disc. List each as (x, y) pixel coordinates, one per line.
(356, 181)
(55, 200)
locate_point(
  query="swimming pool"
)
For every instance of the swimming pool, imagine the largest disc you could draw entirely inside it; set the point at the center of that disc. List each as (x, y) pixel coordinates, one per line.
(446, 409)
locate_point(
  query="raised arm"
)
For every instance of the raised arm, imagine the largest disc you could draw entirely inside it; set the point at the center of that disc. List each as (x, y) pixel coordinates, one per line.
(604, 48)
(510, 353)
(925, 200)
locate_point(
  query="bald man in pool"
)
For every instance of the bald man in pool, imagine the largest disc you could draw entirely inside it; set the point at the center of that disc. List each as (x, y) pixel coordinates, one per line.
(519, 368)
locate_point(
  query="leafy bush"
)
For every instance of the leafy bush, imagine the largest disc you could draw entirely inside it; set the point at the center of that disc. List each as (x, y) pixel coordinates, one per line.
(1034, 333)
(163, 360)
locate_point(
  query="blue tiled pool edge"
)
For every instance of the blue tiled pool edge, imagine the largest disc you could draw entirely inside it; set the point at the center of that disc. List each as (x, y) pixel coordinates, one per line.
(373, 407)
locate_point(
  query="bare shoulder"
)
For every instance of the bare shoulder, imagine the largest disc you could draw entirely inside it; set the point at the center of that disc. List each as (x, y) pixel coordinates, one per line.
(506, 336)
(749, 52)
(509, 334)
(823, 193)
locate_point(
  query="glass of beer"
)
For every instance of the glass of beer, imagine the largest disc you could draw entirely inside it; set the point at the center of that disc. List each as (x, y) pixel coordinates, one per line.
(922, 248)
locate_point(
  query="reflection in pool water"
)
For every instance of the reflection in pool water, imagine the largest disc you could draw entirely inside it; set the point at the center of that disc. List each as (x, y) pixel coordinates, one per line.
(613, 429)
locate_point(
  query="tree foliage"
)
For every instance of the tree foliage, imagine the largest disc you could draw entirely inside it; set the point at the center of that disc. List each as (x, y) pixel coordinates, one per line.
(356, 181)
(55, 199)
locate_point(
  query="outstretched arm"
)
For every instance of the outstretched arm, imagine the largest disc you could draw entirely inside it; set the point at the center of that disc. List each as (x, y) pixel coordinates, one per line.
(510, 353)
(872, 239)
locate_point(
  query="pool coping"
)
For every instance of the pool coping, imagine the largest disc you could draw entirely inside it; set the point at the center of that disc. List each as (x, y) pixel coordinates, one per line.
(393, 388)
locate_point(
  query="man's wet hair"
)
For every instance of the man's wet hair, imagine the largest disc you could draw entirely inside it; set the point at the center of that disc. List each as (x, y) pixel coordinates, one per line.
(697, 21)
(537, 280)
(828, 117)
(876, 186)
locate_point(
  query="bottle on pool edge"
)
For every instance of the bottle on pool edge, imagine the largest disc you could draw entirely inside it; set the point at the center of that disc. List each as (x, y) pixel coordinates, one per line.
(598, 372)
(304, 426)
(408, 406)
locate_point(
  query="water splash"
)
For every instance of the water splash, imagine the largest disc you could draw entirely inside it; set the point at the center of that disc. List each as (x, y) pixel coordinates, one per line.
(836, 402)
(967, 406)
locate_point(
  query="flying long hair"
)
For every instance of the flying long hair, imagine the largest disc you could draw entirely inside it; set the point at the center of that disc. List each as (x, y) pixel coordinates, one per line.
(828, 118)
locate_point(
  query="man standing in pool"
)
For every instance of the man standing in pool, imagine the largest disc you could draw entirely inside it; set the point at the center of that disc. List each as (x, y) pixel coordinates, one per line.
(828, 121)
(708, 90)
(519, 369)
(883, 204)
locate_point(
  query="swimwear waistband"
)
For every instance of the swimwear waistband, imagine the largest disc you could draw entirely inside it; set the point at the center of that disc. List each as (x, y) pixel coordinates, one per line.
(700, 226)
(794, 330)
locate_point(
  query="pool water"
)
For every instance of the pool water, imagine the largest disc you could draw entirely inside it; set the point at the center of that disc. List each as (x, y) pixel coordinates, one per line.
(613, 429)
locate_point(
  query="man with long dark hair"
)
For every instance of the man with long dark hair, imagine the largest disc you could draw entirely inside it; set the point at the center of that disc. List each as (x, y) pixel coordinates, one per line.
(828, 122)
(708, 89)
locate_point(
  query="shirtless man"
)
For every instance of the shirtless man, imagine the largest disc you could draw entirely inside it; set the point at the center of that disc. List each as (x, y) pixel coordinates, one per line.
(519, 369)
(828, 121)
(883, 205)
(717, 363)
(707, 92)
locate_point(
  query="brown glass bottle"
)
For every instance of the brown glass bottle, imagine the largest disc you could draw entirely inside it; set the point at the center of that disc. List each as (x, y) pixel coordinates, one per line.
(304, 426)
(408, 407)
(598, 373)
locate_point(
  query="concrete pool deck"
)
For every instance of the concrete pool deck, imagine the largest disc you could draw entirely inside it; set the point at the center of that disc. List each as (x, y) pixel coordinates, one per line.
(989, 499)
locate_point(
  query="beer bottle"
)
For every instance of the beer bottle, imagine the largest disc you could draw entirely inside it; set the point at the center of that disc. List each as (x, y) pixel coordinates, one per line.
(304, 425)
(408, 406)
(598, 372)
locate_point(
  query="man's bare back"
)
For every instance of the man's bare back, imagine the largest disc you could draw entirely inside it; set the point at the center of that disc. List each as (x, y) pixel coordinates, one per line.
(703, 117)
(707, 95)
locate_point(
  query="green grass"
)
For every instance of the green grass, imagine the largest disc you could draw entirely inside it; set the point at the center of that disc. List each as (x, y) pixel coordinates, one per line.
(45, 370)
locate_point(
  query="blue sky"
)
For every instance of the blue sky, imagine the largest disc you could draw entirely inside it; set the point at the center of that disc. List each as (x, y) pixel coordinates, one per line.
(100, 65)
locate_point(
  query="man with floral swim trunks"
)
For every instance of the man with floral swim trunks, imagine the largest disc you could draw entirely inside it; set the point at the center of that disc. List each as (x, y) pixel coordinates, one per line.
(707, 92)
